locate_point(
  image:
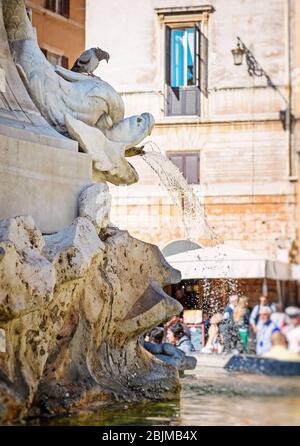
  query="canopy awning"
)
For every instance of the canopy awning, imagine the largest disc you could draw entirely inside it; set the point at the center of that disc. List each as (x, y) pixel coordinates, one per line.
(229, 263)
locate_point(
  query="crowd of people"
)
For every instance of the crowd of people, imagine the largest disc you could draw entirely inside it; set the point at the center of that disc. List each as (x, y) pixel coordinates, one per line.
(268, 330)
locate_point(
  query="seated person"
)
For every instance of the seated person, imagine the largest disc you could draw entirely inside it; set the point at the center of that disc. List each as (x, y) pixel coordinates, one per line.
(168, 353)
(180, 338)
(156, 335)
(212, 333)
(168, 329)
(279, 349)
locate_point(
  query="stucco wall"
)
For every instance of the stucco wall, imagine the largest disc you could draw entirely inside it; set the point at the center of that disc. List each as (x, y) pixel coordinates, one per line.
(244, 151)
(60, 35)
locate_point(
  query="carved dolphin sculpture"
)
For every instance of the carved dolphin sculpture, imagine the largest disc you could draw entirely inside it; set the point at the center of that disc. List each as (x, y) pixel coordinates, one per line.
(131, 130)
(87, 99)
(109, 148)
(108, 156)
(59, 93)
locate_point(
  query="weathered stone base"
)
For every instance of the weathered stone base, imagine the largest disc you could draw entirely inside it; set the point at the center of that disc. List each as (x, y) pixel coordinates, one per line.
(73, 307)
(41, 181)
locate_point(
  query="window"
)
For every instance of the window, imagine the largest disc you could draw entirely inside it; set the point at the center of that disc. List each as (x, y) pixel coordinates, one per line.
(189, 165)
(61, 7)
(186, 68)
(56, 59)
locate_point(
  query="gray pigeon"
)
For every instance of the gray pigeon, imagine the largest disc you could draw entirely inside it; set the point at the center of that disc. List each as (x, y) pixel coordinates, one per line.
(89, 60)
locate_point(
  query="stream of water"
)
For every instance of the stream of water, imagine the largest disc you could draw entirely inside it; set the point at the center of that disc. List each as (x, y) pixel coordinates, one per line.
(192, 211)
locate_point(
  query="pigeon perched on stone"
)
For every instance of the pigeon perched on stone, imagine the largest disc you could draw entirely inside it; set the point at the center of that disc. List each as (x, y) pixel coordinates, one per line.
(89, 60)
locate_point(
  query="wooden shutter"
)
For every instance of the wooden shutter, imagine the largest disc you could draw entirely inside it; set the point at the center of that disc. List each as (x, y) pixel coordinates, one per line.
(64, 62)
(174, 101)
(191, 101)
(168, 56)
(65, 8)
(189, 165)
(203, 64)
(178, 161)
(51, 5)
(196, 73)
(183, 101)
(192, 168)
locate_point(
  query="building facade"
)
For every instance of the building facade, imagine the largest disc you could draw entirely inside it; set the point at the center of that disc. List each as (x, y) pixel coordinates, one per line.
(226, 130)
(60, 26)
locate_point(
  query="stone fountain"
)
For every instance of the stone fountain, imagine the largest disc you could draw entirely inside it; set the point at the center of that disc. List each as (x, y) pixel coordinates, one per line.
(76, 293)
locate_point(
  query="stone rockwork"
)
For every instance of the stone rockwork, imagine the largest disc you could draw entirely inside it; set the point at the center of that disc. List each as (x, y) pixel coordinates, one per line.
(73, 307)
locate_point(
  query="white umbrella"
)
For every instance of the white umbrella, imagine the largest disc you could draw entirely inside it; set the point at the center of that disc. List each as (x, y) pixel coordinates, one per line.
(226, 262)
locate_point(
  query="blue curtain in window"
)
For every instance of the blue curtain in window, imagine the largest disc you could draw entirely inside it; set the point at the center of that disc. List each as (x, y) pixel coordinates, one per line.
(177, 52)
(182, 57)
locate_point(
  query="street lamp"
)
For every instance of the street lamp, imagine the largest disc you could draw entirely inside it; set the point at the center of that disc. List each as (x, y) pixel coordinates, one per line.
(238, 54)
(255, 69)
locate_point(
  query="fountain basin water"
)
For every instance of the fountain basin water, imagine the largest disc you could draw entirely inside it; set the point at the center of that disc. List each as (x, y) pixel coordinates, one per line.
(210, 396)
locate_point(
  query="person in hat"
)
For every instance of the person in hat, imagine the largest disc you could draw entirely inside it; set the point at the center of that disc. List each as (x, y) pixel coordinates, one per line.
(292, 331)
(264, 331)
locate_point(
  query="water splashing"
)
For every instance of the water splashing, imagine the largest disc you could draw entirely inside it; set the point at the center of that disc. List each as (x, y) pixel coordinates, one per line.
(194, 221)
(183, 196)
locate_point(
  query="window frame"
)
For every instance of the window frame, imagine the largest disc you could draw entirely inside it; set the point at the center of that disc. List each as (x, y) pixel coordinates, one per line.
(194, 105)
(169, 51)
(187, 95)
(62, 61)
(186, 154)
(60, 7)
